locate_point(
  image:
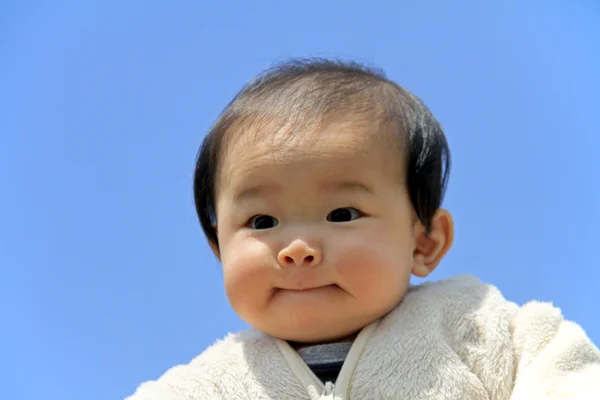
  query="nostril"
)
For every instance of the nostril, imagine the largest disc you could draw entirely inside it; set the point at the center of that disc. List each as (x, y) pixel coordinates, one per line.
(309, 259)
(289, 259)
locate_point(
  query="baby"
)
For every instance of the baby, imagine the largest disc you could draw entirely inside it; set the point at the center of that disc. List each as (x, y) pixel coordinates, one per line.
(319, 190)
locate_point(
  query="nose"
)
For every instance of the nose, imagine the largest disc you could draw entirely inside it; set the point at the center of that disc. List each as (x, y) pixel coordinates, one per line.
(299, 253)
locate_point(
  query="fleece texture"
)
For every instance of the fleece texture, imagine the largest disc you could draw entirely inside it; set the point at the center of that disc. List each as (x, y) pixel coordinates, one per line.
(457, 339)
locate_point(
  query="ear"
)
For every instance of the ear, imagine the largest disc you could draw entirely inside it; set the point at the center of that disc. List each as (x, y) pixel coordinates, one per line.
(432, 247)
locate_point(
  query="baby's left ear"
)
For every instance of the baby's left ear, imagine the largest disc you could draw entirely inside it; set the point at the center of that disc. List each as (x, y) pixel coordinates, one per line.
(431, 248)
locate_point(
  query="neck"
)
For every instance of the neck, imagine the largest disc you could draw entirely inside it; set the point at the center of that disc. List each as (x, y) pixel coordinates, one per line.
(300, 345)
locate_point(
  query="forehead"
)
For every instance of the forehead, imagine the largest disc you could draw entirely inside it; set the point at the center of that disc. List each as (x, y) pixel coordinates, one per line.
(340, 148)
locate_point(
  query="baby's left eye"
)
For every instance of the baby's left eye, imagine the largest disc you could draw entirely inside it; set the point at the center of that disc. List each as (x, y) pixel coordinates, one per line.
(345, 214)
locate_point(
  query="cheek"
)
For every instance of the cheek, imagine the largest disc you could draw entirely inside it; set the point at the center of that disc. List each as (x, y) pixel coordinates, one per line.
(246, 274)
(373, 265)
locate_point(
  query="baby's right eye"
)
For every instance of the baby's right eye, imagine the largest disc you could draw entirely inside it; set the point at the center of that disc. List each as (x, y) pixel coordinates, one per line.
(260, 222)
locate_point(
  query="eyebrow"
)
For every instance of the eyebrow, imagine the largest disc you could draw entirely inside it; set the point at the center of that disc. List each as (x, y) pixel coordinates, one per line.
(250, 192)
(341, 186)
(348, 186)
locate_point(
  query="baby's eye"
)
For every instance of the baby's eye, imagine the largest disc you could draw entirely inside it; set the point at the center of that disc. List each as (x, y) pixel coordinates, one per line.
(343, 214)
(263, 222)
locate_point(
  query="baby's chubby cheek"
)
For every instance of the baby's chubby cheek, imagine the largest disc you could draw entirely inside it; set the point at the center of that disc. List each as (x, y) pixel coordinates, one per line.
(373, 271)
(246, 275)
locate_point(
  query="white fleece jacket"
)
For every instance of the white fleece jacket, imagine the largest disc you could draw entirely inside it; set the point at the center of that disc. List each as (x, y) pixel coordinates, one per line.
(456, 339)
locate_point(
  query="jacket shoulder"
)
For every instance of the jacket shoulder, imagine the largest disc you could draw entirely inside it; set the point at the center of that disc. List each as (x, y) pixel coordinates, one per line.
(475, 320)
(461, 295)
(553, 355)
(218, 370)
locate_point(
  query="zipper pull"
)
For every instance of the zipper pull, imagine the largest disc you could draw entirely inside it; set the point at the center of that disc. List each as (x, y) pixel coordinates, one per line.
(329, 391)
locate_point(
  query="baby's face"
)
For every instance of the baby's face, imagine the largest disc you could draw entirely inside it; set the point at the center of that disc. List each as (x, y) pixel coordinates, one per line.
(317, 235)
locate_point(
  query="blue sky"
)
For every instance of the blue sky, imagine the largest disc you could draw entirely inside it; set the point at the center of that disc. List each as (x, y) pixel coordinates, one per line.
(106, 279)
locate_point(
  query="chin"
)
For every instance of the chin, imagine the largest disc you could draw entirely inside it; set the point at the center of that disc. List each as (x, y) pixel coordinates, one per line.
(314, 315)
(315, 331)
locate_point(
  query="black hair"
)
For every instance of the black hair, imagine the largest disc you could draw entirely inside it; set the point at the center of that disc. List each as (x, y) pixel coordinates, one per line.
(298, 93)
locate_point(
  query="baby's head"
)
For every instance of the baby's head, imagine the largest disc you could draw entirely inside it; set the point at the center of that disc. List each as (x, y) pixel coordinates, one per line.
(319, 189)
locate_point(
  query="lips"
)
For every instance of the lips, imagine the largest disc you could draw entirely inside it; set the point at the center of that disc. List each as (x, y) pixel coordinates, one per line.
(307, 288)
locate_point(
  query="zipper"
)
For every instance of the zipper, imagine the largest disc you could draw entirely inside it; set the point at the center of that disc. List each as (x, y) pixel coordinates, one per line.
(328, 391)
(315, 387)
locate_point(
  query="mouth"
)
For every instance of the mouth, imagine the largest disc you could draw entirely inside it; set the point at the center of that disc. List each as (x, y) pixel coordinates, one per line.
(309, 288)
(305, 292)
